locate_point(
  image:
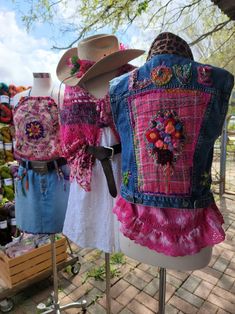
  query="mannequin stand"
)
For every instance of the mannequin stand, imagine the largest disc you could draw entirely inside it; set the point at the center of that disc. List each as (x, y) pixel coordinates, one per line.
(162, 290)
(55, 307)
(107, 271)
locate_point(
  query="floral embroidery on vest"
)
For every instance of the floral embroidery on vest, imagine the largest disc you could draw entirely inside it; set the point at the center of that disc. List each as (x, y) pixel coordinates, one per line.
(204, 75)
(183, 73)
(161, 75)
(165, 137)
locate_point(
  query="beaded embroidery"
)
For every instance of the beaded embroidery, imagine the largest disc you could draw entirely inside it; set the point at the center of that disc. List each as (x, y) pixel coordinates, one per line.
(204, 75)
(134, 83)
(161, 75)
(165, 137)
(183, 73)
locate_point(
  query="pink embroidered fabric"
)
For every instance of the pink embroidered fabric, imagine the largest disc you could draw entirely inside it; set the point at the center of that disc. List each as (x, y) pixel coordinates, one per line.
(171, 231)
(36, 121)
(82, 118)
(190, 107)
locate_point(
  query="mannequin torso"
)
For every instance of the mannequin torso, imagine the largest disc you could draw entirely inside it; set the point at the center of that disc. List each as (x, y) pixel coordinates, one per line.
(98, 87)
(42, 86)
(147, 256)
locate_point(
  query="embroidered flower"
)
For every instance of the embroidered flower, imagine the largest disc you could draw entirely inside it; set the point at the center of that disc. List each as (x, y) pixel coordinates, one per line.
(152, 136)
(204, 75)
(167, 144)
(161, 75)
(34, 130)
(183, 73)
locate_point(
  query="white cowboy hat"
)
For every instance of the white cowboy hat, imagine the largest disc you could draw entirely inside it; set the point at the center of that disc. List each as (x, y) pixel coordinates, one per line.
(102, 49)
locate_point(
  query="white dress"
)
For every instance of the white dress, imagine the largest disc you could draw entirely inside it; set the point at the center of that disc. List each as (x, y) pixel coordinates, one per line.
(89, 220)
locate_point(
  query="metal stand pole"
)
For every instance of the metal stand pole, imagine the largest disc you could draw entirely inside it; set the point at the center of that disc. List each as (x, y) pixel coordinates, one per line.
(55, 307)
(162, 290)
(223, 151)
(108, 284)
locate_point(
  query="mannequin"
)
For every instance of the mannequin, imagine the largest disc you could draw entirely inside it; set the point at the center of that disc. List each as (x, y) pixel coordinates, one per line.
(42, 185)
(166, 205)
(86, 118)
(38, 209)
(89, 220)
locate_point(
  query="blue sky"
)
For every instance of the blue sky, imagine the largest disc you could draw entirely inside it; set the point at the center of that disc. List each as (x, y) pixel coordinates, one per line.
(23, 53)
(40, 30)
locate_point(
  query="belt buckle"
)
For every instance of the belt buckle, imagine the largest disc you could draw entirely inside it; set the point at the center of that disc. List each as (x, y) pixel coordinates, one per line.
(112, 151)
(39, 166)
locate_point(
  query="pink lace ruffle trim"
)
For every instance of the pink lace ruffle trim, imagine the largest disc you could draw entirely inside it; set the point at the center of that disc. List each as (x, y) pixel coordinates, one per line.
(171, 231)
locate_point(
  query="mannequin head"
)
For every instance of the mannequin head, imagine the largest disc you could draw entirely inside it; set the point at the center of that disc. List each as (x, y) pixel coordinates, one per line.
(170, 43)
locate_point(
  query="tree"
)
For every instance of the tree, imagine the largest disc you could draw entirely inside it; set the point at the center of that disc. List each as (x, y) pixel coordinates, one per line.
(200, 21)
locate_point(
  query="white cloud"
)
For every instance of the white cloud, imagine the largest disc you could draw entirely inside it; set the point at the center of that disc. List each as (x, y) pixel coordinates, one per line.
(21, 54)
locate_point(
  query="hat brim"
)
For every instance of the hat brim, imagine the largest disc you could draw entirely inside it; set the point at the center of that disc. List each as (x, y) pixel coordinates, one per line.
(109, 63)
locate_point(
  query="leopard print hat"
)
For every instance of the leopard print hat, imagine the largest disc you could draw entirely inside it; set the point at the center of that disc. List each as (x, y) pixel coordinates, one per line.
(170, 43)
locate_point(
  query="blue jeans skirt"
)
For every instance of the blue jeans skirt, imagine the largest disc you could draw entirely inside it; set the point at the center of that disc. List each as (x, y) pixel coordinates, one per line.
(41, 200)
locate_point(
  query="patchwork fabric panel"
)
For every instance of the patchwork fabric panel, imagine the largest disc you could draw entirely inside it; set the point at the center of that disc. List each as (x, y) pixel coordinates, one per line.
(36, 121)
(172, 118)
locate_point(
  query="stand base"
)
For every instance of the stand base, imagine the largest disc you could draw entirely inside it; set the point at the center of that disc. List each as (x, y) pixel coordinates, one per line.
(56, 308)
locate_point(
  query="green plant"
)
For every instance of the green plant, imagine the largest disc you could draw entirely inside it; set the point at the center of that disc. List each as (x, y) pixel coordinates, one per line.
(98, 273)
(117, 258)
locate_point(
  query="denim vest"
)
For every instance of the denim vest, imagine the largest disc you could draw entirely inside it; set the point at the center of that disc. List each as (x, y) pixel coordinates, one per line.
(168, 113)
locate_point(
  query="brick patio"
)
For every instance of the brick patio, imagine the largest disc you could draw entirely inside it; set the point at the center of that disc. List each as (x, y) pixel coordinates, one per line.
(209, 290)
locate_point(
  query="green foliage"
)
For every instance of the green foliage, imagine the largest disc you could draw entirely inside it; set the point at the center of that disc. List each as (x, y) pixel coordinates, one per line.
(142, 7)
(117, 258)
(98, 273)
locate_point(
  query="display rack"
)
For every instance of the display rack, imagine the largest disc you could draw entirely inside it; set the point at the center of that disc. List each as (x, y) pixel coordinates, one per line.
(6, 301)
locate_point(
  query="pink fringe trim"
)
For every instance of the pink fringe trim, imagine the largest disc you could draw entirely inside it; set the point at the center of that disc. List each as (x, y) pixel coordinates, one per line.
(171, 231)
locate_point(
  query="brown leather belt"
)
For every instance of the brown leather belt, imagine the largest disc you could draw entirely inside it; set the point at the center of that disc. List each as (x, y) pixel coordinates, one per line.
(104, 154)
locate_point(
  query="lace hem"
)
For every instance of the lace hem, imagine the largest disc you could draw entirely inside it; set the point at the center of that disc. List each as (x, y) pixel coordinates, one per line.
(174, 232)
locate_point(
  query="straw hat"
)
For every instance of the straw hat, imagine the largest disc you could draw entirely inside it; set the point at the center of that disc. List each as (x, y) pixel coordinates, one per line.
(101, 49)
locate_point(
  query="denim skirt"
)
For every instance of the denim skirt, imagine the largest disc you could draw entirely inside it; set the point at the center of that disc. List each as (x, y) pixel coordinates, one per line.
(41, 200)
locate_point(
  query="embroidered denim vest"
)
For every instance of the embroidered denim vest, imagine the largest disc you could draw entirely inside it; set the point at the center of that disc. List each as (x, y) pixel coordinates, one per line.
(169, 113)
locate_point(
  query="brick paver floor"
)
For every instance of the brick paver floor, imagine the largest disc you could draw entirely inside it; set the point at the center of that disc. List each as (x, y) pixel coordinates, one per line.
(135, 288)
